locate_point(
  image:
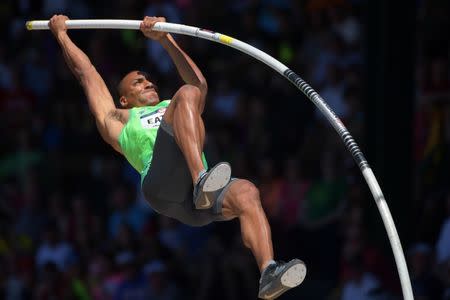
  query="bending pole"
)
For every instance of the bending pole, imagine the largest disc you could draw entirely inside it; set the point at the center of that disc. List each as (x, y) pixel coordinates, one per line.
(302, 86)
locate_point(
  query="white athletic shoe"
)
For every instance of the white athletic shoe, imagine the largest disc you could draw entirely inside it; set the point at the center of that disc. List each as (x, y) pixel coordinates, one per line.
(280, 277)
(215, 179)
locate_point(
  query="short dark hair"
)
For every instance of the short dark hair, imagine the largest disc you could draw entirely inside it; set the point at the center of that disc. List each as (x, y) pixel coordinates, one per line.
(120, 85)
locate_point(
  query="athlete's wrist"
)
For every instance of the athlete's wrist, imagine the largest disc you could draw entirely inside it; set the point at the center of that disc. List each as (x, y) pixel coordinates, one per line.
(164, 39)
(61, 35)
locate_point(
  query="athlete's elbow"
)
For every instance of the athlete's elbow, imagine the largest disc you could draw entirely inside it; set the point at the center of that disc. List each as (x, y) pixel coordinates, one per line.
(83, 73)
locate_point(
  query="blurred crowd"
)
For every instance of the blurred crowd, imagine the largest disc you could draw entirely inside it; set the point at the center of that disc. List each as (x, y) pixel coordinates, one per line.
(73, 221)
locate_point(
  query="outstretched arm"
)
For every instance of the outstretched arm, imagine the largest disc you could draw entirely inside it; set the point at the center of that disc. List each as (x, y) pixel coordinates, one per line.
(186, 67)
(99, 98)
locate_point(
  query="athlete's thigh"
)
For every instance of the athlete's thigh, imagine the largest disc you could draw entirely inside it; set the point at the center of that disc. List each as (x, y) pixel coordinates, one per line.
(186, 92)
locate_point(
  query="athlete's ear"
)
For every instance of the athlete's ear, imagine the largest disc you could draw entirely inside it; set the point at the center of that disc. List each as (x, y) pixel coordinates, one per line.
(123, 101)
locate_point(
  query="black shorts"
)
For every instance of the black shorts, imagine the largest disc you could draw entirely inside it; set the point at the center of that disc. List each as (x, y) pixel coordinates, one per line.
(168, 184)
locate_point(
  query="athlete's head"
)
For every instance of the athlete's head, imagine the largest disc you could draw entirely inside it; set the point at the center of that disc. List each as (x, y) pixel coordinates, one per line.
(136, 89)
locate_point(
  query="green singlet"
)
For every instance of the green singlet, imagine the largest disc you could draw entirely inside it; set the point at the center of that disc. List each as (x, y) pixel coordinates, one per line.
(138, 136)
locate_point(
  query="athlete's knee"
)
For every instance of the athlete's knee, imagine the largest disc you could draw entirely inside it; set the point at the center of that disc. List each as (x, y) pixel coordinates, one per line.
(247, 195)
(189, 92)
(190, 96)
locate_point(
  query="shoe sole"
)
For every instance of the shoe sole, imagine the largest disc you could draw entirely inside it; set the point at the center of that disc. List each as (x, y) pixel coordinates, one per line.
(217, 178)
(291, 278)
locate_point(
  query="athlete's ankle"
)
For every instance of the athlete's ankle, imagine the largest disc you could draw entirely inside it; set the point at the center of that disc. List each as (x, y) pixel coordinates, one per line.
(266, 264)
(200, 175)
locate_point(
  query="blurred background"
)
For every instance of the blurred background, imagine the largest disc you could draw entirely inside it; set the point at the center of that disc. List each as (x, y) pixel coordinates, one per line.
(74, 224)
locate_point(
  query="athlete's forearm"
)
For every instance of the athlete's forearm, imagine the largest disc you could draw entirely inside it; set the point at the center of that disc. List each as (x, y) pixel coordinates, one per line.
(78, 62)
(186, 67)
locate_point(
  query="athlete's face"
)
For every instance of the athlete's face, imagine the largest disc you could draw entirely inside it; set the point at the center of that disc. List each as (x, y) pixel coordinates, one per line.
(136, 90)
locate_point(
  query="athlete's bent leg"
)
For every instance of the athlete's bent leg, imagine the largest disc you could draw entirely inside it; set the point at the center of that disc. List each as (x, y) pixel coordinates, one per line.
(242, 200)
(184, 115)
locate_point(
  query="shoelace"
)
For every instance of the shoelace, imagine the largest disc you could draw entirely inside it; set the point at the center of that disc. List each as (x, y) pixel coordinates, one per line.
(273, 269)
(279, 266)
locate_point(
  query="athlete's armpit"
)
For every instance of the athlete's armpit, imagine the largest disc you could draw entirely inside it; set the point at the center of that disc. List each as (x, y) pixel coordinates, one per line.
(118, 115)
